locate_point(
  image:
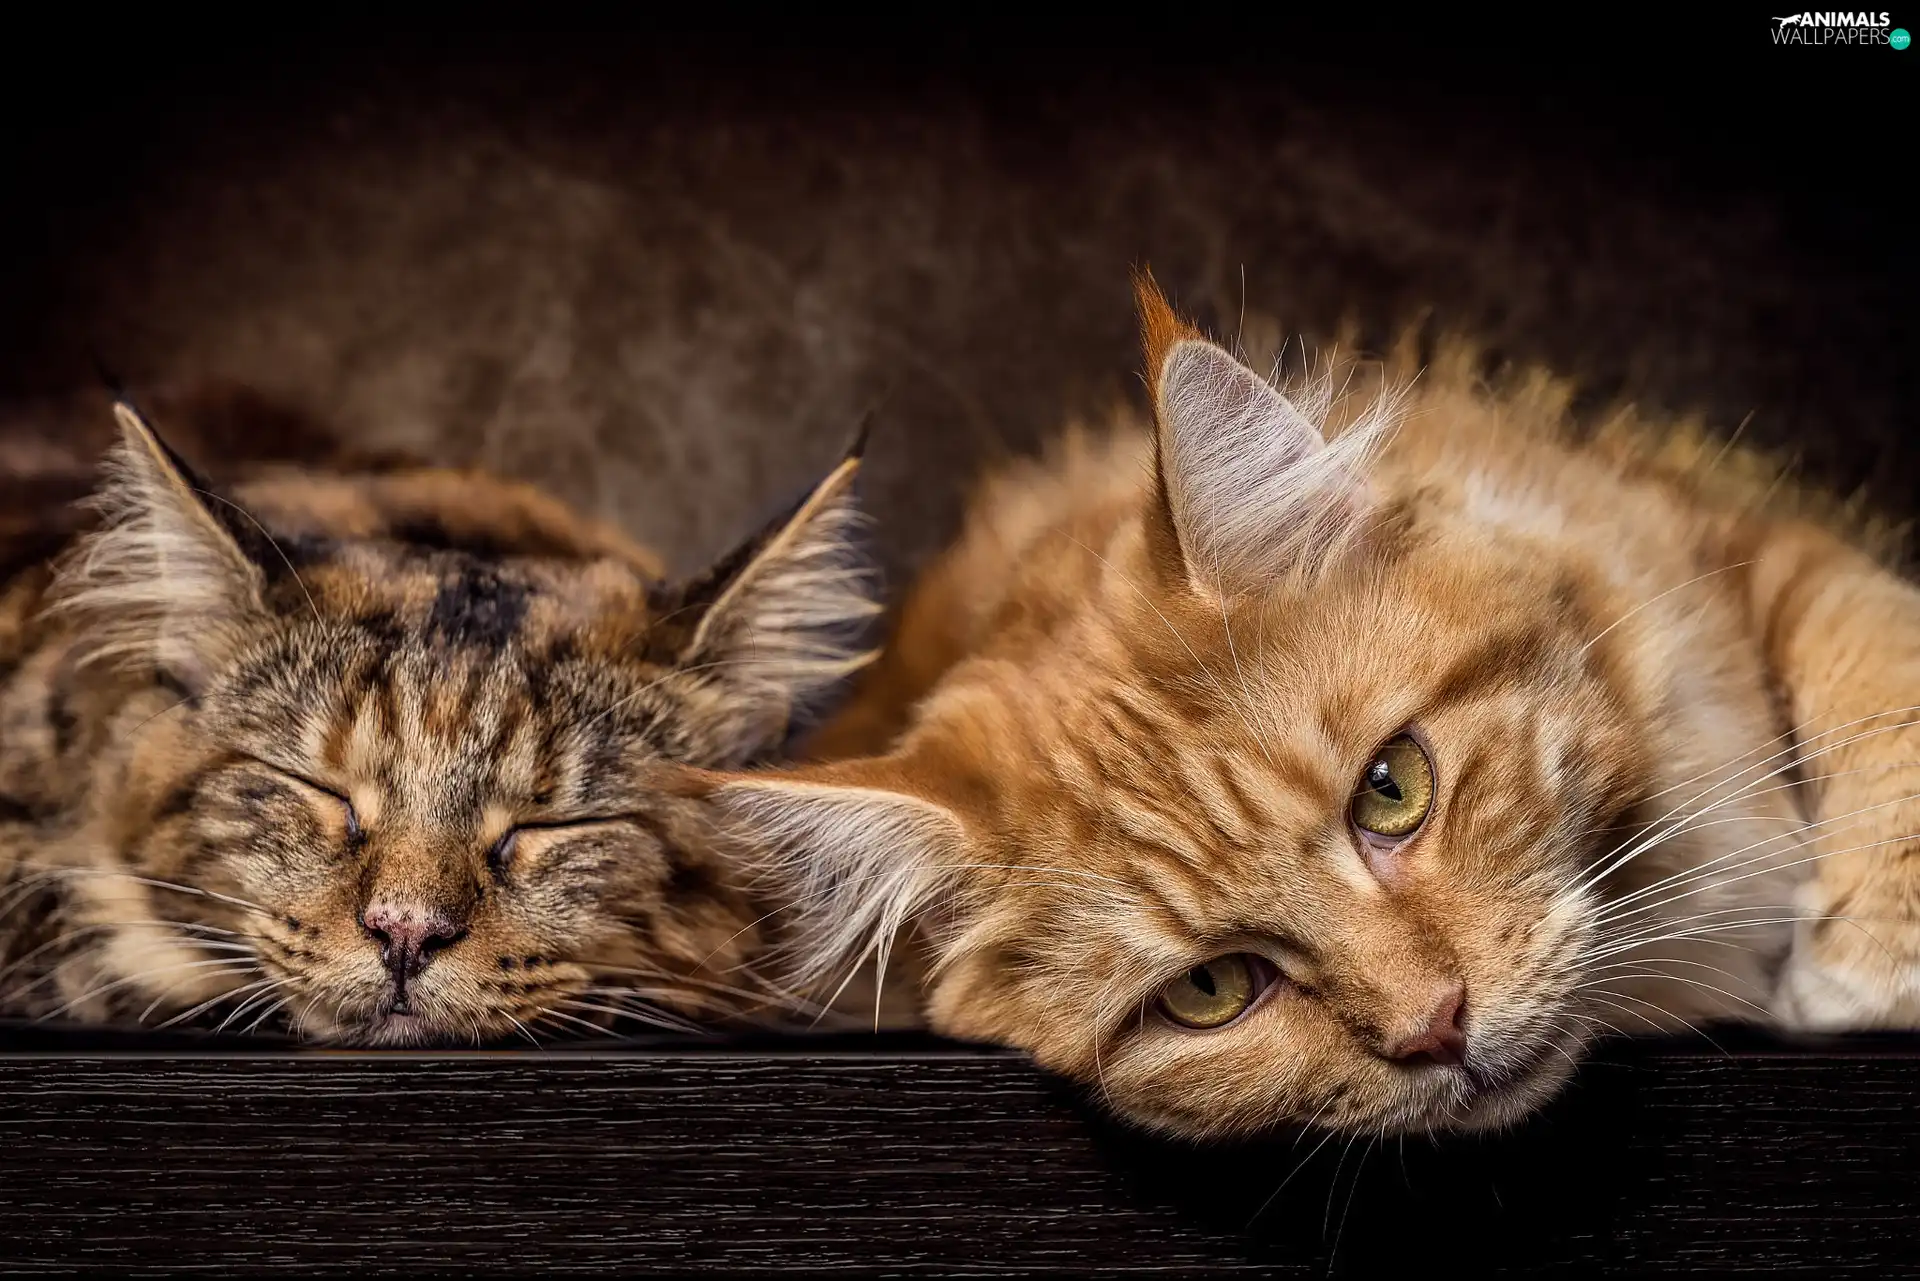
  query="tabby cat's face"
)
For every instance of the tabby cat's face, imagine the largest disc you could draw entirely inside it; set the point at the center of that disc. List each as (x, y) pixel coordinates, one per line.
(414, 745)
(437, 841)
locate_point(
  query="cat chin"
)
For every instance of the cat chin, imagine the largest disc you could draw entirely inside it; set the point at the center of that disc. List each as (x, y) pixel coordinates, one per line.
(398, 1032)
(383, 1031)
(1506, 1107)
(1503, 1105)
(1480, 1107)
(1488, 1103)
(1487, 1109)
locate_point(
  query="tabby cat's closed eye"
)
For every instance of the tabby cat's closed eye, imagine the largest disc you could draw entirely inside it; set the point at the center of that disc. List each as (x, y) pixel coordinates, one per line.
(356, 834)
(500, 857)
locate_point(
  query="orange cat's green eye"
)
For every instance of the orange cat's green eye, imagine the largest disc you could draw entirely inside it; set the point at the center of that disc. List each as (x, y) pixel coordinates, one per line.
(1214, 994)
(1395, 791)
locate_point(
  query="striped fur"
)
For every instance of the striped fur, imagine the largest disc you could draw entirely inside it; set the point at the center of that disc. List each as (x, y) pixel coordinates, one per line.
(235, 725)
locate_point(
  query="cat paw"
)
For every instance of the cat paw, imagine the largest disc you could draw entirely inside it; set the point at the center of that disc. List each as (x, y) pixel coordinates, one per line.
(1843, 976)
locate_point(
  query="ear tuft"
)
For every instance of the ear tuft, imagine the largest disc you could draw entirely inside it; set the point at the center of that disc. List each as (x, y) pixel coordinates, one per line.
(856, 862)
(789, 615)
(1160, 326)
(161, 584)
(1251, 486)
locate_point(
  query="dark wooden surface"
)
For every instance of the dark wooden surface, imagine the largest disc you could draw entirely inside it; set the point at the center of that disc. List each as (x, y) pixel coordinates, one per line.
(910, 1156)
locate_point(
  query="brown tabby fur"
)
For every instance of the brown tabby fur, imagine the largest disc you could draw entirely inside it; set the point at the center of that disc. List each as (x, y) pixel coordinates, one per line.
(236, 724)
(1669, 701)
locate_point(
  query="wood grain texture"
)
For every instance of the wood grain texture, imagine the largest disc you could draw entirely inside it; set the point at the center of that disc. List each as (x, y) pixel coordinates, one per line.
(917, 1157)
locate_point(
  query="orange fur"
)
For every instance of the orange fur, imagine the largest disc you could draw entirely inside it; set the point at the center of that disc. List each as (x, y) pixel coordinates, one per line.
(1638, 667)
(1160, 326)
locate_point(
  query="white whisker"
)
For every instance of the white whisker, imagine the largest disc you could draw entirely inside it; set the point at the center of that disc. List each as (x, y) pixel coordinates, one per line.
(228, 962)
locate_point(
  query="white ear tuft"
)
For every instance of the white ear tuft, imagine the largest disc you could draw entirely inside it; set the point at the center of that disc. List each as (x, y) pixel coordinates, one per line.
(1253, 487)
(856, 864)
(162, 584)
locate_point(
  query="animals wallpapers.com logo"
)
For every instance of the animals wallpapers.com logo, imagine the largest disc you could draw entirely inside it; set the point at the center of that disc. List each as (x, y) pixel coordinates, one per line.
(1840, 28)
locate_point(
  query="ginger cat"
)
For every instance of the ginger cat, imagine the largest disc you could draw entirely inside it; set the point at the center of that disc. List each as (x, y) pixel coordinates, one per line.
(1358, 760)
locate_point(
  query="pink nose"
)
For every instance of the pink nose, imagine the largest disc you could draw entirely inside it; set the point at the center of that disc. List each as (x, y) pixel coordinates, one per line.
(1440, 1039)
(409, 936)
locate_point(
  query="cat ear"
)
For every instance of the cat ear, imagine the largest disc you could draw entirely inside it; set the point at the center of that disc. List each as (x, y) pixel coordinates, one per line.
(781, 621)
(1250, 487)
(163, 583)
(856, 849)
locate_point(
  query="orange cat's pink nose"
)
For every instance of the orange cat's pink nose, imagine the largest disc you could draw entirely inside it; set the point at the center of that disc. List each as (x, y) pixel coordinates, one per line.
(1441, 1039)
(409, 936)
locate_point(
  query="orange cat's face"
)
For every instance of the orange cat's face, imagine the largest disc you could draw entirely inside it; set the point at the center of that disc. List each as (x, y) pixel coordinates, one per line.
(1318, 870)
(1312, 860)
(1296, 818)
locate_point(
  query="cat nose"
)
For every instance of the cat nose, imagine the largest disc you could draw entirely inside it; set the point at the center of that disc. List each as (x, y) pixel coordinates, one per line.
(409, 936)
(1439, 1037)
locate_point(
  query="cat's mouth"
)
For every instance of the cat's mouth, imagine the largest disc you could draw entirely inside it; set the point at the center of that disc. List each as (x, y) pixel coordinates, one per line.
(396, 1023)
(402, 1028)
(1498, 1093)
(387, 1026)
(422, 1019)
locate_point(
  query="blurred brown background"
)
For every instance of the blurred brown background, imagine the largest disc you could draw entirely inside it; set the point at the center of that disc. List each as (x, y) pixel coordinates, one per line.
(665, 271)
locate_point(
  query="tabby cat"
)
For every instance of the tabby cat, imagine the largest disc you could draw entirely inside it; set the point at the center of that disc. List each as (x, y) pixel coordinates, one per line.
(1357, 759)
(376, 757)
